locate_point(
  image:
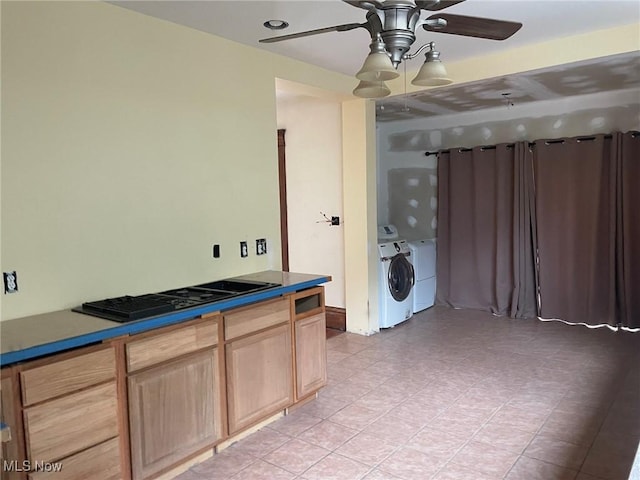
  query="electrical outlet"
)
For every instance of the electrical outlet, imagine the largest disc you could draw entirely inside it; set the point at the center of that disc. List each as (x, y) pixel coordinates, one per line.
(261, 246)
(10, 282)
(244, 251)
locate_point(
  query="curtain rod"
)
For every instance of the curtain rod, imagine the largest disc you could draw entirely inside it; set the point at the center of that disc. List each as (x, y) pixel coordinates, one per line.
(634, 134)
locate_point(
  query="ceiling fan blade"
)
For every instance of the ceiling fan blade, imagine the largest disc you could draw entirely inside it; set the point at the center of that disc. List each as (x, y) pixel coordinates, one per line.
(336, 28)
(441, 5)
(473, 26)
(364, 4)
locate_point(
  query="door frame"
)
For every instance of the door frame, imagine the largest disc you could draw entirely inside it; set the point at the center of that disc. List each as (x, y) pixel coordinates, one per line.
(284, 225)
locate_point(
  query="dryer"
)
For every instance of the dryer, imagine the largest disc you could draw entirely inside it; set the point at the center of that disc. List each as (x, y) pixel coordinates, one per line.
(423, 253)
(396, 279)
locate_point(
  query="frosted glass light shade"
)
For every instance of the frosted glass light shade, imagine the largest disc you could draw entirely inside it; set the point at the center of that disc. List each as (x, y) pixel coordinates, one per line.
(367, 89)
(377, 67)
(432, 74)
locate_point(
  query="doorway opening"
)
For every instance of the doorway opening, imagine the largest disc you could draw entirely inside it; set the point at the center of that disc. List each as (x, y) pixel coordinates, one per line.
(335, 316)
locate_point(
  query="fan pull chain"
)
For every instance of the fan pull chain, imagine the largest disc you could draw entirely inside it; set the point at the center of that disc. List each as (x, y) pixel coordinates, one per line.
(406, 106)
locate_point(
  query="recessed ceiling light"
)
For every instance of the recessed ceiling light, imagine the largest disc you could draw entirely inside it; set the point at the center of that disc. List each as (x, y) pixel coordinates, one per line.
(276, 24)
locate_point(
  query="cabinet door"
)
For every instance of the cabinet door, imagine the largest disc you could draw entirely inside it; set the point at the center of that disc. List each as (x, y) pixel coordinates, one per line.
(311, 357)
(259, 376)
(174, 411)
(11, 436)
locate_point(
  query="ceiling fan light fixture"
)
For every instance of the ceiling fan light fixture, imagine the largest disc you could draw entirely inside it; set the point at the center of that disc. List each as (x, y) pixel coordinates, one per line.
(366, 89)
(377, 66)
(433, 72)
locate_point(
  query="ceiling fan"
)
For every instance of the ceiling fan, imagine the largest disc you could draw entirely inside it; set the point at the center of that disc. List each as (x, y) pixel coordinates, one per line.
(392, 25)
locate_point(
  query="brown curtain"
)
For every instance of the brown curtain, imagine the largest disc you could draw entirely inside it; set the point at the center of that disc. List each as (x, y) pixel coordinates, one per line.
(627, 150)
(485, 251)
(575, 181)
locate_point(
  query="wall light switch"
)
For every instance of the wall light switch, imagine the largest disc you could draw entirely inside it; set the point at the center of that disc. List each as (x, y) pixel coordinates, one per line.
(216, 251)
(244, 251)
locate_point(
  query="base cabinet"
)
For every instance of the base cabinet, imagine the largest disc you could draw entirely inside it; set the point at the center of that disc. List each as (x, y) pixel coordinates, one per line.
(71, 416)
(309, 331)
(136, 407)
(174, 411)
(259, 382)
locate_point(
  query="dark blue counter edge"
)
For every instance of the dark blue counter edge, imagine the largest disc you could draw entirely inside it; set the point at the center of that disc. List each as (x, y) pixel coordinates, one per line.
(147, 324)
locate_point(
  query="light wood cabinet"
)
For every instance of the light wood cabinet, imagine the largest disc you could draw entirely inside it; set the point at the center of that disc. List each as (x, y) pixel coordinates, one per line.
(259, 376)
(136, 407)
(311, 359)
(12, 441)
(175, 407)
(309, 331)
(70, 407)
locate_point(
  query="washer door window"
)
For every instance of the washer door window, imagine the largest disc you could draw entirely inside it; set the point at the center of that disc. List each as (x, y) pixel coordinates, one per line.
(400, 279)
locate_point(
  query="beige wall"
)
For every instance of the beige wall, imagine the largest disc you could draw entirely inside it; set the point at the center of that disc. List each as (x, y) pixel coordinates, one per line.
(314, 184)
(130, 146)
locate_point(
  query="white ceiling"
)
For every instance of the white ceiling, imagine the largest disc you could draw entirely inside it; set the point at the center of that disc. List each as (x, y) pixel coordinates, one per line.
(343, 52)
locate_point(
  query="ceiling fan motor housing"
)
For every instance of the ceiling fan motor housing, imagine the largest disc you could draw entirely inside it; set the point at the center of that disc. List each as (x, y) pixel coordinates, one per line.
(398, 19)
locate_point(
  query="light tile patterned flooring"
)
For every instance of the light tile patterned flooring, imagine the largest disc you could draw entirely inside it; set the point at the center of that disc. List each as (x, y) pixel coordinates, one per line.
(457, 395)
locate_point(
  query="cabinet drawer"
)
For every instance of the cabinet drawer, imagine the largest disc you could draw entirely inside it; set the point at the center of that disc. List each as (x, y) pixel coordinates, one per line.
(101, 462)
(165, 346)
(66, 376)
(67, 425)
(256, 317)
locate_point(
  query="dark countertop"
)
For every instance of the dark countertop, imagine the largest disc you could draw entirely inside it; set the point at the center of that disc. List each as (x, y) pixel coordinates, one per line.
(27, 338)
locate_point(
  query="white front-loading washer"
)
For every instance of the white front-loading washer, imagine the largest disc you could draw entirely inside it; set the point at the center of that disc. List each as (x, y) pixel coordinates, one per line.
(396, 283)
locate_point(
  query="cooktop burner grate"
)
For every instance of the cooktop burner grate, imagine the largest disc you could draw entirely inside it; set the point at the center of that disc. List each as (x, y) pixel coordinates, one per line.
(132, 308)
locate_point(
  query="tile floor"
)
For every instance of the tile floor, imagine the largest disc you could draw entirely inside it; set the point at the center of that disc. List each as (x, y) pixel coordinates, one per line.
(457, 394)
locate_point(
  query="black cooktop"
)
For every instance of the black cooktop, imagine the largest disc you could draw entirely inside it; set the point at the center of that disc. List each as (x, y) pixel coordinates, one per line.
(128, 308)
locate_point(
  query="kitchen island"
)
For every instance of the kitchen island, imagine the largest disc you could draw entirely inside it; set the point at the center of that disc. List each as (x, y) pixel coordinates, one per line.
(142, 399)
